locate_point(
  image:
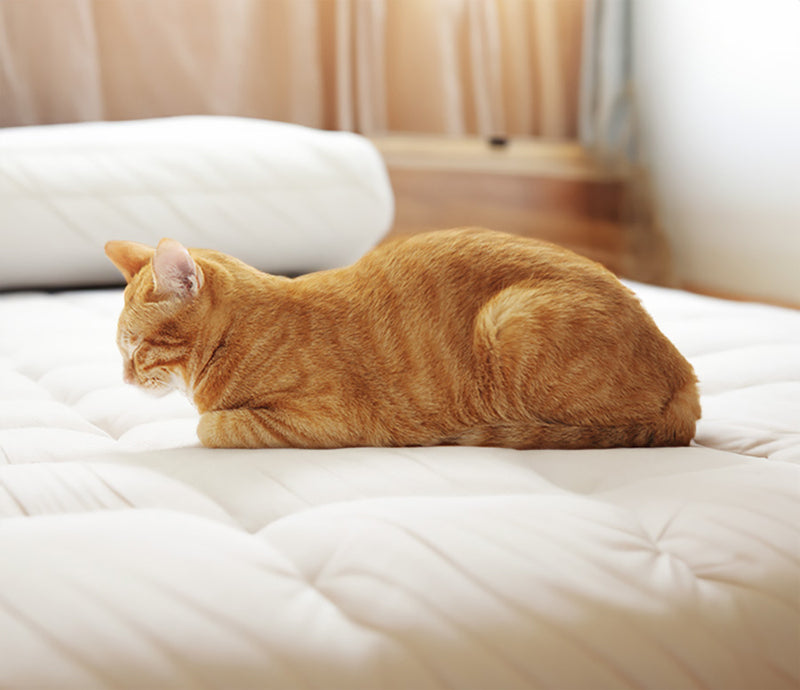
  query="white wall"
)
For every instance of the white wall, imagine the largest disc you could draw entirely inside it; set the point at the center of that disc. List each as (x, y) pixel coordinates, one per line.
(718, 92)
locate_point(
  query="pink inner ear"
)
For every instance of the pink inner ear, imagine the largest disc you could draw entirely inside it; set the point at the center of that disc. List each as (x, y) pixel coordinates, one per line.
(174, 271)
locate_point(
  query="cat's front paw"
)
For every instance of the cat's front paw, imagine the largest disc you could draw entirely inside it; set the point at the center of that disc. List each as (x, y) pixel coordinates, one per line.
(208, 430)
(237, 428)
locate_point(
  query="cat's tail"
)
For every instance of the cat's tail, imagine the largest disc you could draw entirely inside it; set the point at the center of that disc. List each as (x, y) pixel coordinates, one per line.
(677, 423)
(674, 426)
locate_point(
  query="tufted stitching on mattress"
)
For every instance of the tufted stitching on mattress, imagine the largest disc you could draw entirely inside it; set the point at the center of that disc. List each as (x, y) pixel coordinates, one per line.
(536, 619)
(431, 604)
(377, 631)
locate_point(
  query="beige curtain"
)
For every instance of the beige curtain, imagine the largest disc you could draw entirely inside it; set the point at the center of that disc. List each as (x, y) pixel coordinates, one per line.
(606, 124)
(440, 66)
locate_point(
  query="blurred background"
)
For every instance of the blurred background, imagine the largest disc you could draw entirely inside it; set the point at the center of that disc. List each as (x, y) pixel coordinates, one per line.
(661, 138)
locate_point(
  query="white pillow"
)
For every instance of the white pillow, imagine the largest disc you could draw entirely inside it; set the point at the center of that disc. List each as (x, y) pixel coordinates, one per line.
(284, 198)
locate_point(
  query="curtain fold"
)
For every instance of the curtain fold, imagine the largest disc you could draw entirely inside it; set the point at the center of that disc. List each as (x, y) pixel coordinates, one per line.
(436, 66)
(606, 119)
(487, 75)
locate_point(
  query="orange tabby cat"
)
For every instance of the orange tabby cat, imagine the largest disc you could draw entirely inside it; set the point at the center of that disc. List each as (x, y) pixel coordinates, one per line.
(455, 337)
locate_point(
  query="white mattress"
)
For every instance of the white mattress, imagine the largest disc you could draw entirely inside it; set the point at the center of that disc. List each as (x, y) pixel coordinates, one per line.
(132, 558)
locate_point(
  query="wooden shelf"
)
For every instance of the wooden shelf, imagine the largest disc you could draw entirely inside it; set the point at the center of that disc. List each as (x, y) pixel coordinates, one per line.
(548, 190)
(520, 156)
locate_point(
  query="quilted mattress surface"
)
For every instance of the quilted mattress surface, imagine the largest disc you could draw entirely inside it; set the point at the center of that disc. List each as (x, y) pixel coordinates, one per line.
(130, 557)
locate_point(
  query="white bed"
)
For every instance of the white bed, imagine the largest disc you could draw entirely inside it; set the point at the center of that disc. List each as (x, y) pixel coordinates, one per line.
(130, 557)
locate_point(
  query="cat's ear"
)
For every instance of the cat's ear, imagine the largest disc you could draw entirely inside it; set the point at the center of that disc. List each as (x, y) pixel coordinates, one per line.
(128, 257)
(174, 271)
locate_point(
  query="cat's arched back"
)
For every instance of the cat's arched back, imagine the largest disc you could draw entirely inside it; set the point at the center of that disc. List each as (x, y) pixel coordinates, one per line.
(459, 337)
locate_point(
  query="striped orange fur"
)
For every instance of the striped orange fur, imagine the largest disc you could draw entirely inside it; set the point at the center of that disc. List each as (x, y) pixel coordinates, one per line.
(454, 337)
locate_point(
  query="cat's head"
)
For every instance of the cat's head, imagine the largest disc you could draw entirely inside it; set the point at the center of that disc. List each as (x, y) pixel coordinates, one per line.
(159, 321)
